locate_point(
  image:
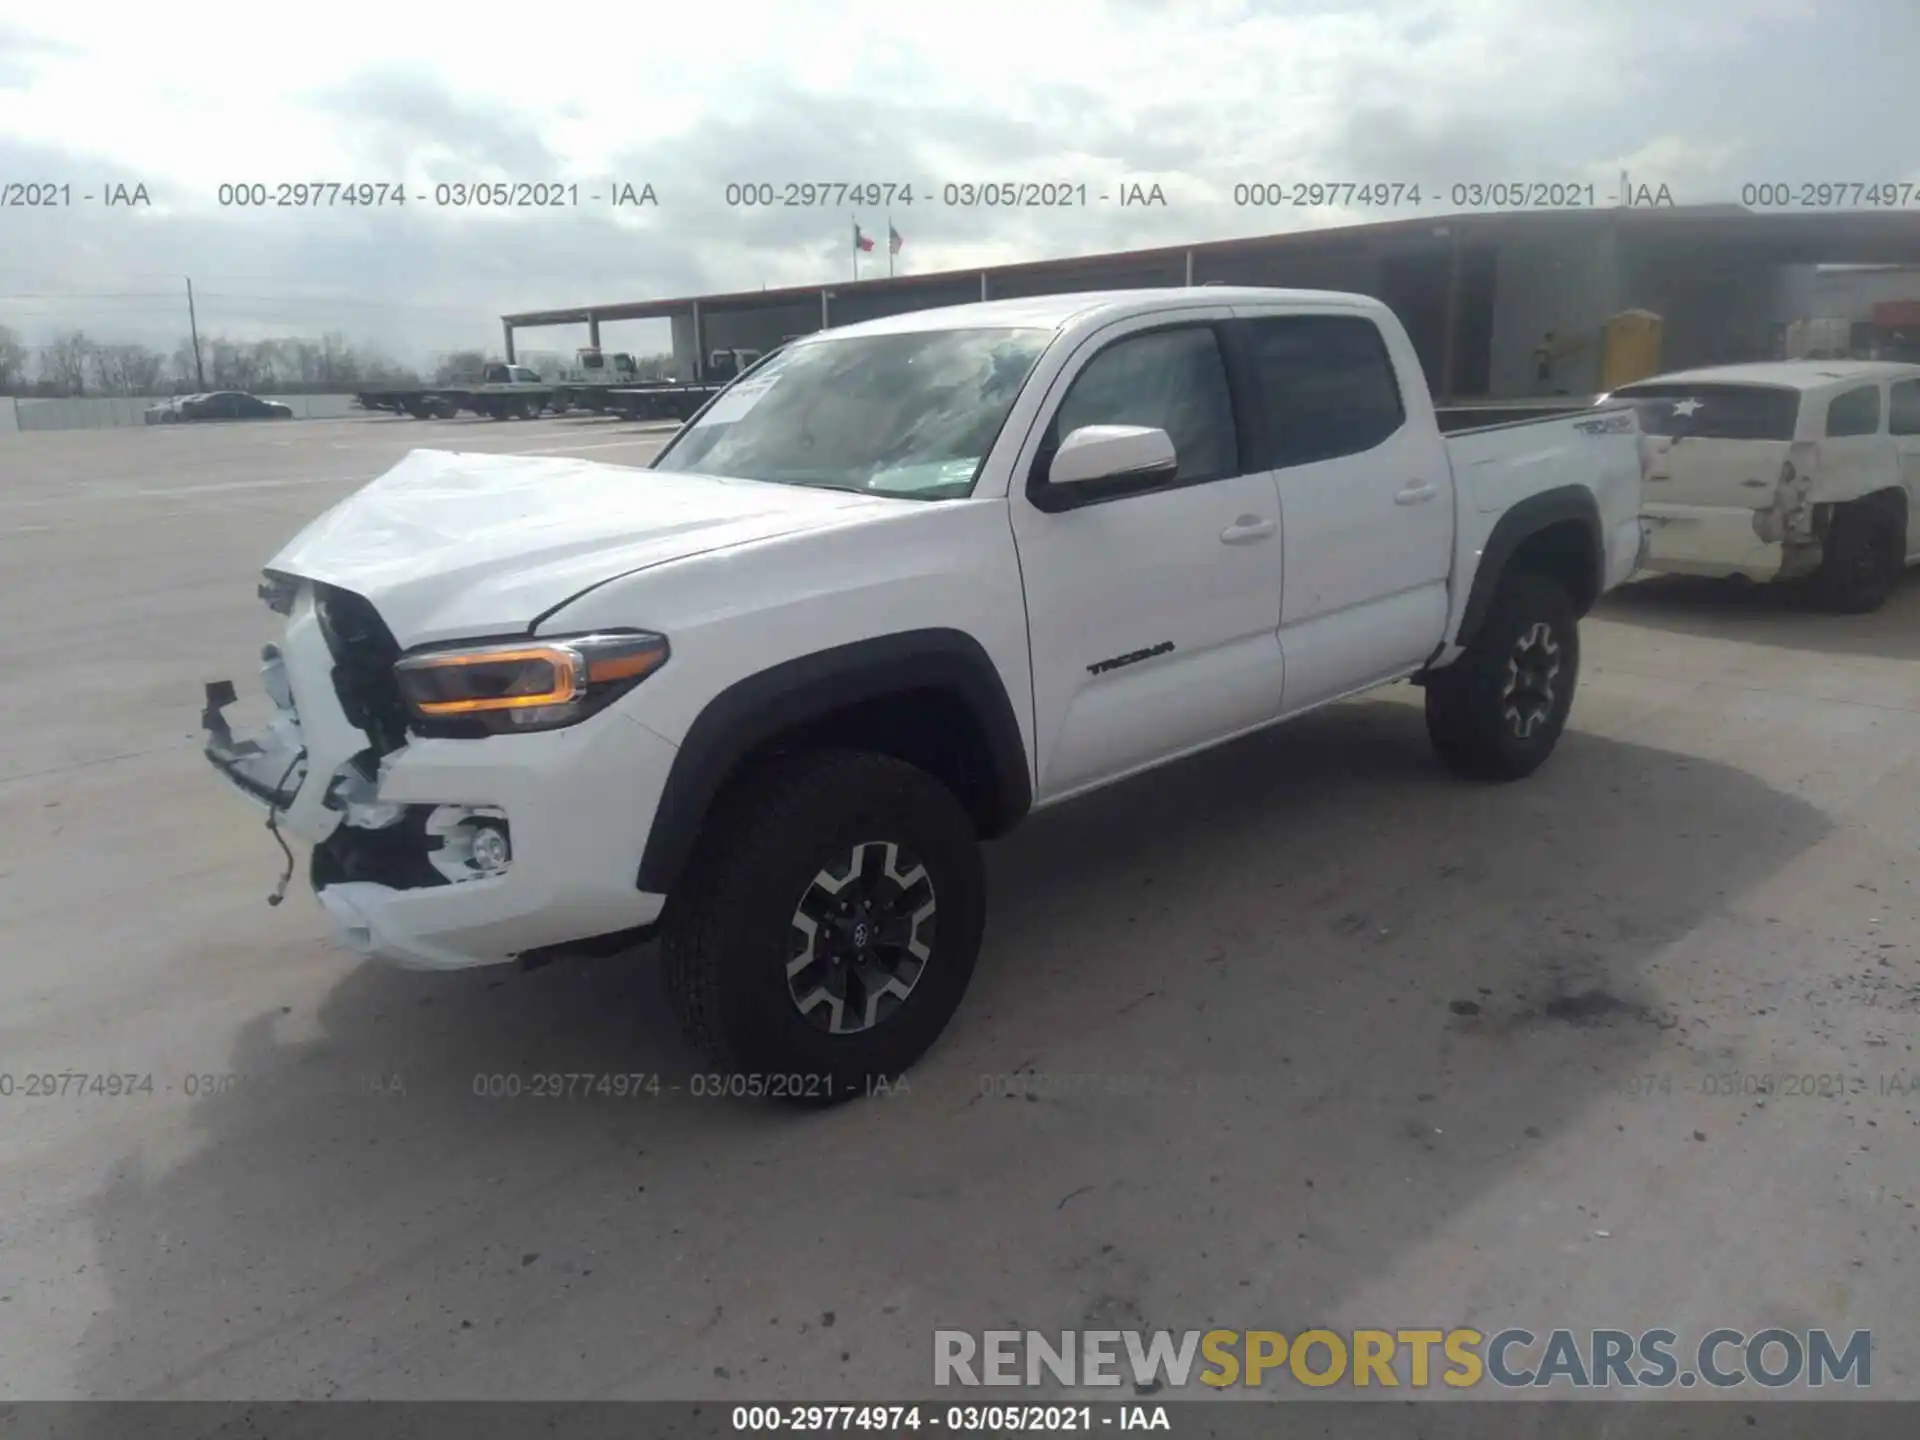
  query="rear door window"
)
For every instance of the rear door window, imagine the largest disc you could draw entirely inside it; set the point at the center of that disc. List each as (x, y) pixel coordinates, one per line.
(1714, 412)
(1327, 385)
(1903, 414)
(1854, 412)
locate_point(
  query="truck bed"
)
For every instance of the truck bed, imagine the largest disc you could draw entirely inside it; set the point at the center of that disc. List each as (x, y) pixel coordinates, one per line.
(1590, 460)
(1486, 414)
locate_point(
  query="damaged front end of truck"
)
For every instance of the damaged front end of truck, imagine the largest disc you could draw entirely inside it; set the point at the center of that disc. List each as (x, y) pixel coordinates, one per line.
(317, 765)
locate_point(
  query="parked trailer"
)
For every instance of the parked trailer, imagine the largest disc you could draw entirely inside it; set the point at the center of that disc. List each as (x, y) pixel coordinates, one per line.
(512, 392)
(661, 402)
(505, 392)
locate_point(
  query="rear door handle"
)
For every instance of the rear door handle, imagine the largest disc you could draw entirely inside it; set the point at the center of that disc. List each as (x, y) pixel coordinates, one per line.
(1247, 529)
(1415, 492)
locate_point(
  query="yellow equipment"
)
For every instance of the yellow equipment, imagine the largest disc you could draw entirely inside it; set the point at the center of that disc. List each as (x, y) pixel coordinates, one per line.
(1630, 348)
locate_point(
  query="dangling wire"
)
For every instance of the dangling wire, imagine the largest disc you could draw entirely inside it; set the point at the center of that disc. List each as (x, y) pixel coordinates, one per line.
(273, 829)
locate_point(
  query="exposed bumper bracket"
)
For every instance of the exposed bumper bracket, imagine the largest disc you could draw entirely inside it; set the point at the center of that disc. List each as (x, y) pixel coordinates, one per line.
(262, 773)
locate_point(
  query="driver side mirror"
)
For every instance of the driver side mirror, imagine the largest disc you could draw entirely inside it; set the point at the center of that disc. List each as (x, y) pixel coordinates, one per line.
(1099, 461)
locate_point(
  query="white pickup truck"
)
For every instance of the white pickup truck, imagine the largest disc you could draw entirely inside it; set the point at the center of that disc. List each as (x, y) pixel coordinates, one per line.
(900, 586)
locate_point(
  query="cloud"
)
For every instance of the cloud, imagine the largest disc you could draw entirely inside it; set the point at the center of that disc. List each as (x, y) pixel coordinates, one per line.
(391, 119)
(1195, 98)
(22, 54)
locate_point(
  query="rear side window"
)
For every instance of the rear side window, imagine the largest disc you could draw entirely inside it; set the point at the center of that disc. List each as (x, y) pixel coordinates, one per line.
(1854, 412)
(1172, 380)
(1903, 414)
(1715, 412)
(1327, 384)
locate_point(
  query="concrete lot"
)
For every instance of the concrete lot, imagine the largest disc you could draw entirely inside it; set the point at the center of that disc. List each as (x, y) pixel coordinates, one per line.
(1316, 1034)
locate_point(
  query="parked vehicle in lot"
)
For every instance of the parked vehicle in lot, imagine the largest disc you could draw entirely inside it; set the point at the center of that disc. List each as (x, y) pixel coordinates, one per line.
(1788, 470)
(218, 405)
(903, 584)
(515, 392)
(166, 412)
(499, 392)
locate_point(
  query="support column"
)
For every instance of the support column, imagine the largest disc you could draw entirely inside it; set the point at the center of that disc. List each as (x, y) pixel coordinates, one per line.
(699, 347)
(824, 322)
(983, 284)
(1447, 345)
(1189, 267)
(593, 331)
(506, 331)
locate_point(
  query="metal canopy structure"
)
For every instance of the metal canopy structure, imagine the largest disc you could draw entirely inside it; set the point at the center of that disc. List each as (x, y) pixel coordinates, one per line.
(1845, 237)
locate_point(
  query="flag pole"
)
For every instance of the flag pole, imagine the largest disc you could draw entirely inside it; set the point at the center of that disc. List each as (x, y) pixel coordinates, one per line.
(889, 244)
(856, 249)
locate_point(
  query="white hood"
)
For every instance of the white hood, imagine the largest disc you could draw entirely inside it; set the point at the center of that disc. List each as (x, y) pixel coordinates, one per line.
(448, 545)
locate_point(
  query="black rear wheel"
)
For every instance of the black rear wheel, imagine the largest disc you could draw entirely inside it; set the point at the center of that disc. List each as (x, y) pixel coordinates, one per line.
(827, 926)
(1861, 561)
(1496, 713)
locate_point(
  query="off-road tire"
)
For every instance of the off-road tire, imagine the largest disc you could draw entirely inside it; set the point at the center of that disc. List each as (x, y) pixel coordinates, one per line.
(1486, 718)
(1861, 560)
(729, 929)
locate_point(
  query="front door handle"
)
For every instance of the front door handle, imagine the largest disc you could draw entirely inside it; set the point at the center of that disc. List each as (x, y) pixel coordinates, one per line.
(1415, 492)
(1247, 529)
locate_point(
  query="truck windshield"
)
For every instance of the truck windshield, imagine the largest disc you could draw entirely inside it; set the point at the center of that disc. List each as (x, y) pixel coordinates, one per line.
(910, 415)
(1714, 412)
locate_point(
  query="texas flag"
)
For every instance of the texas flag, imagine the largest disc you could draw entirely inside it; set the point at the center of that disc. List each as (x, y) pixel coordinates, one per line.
(862, 241)
(894, 242)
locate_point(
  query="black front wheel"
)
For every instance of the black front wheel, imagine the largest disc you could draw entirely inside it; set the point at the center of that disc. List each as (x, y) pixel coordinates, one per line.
(1496, 713)
(827, 926)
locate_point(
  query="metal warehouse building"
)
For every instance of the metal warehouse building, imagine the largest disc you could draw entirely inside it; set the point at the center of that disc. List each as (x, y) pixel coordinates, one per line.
(1480, 293)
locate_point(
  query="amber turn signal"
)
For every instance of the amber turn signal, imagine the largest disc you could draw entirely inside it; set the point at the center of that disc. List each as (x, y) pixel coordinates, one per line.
(527, 685)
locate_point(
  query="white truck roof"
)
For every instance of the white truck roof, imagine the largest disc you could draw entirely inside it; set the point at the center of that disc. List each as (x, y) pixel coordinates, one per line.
(1053, 312)
(1790, 374)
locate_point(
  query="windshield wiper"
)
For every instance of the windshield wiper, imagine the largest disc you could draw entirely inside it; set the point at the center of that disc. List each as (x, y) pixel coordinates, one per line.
(827, 485)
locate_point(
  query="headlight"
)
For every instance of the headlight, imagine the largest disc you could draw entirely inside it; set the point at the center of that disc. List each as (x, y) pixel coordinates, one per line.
(524, 685)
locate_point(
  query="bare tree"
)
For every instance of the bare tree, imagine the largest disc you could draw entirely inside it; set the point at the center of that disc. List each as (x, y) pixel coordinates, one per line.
(185, 374)
(301, 363)
(126, 369)
(378, 370)
(233, 364)
(13, 360)
(64, 362)
(338, 365)
(72, 364)
(277, 362)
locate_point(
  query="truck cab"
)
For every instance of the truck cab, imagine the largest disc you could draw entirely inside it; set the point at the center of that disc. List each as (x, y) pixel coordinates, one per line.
(592, 364)
(726, 364)
(510, 375)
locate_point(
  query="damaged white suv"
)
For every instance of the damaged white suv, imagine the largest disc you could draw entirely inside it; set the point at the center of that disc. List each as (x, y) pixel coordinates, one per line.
(897, 587)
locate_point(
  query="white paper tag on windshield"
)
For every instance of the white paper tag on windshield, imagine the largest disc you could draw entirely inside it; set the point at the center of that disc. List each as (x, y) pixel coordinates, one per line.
(739, 400)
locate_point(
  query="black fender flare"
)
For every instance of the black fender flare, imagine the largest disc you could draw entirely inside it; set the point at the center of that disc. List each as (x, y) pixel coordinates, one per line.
(754, 710)
(1525, 519)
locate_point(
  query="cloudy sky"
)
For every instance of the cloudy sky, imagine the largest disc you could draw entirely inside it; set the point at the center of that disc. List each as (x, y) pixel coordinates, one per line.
(1192, 95)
